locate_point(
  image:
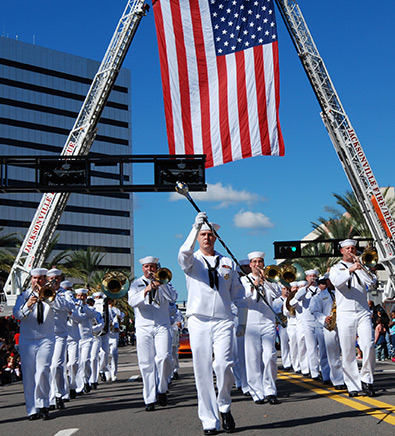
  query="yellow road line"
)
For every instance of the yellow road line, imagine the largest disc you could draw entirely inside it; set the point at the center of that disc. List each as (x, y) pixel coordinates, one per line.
(381, 411)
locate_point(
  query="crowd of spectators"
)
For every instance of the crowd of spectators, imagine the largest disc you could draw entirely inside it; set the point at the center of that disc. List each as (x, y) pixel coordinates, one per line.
(384, 332)
(10, 365)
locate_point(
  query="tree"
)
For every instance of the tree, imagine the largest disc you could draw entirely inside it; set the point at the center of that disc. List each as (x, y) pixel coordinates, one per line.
(8, 249)
(58, 258)
(83, 264)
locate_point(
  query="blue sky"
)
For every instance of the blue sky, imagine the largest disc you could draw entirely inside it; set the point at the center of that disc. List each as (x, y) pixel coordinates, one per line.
(259, 200)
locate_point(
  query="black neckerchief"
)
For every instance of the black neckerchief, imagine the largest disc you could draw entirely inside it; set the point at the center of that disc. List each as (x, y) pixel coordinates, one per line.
(213, 273)
(356, 275)
(40, 312)
(332, 294)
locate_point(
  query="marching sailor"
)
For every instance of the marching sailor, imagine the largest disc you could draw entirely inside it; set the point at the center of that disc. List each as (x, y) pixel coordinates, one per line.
(278, 307)
(351, 281)
(260, 335)
(150, 300)
(213, 283)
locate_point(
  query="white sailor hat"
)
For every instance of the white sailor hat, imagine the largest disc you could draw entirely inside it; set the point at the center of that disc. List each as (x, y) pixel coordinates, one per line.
(255, 254)
(38, 272)
(294, 284)
(66, 284)
(348, 243)
(98, 294)
(243, 262)
(301, 283)
(205, 227)
(310, 272)
(324, 277)
(54, 272)
(149, 259)
(81, 291)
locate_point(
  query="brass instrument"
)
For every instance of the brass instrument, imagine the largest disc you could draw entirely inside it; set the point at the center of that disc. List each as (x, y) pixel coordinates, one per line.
(331, 324)
(163, 276)
(47, 293)
(290, 308)
(291, 273)
(361, 262)
(115, 284)
(272, 273)
(370, 258)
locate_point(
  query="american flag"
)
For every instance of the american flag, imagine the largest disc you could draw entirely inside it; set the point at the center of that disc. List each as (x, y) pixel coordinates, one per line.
(220, 77)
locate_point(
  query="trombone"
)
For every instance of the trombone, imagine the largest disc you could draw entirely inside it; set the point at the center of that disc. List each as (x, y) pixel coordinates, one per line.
(369, 260)
(163, 276)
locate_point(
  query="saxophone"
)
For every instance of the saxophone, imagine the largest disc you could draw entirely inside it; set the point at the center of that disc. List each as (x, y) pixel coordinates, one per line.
(331, 324)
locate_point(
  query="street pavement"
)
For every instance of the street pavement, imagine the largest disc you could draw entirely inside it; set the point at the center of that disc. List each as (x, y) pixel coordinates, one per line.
(117, 408)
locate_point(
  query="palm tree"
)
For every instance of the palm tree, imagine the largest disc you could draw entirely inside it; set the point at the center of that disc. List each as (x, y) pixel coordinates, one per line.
(84, 264)
(8, 249)
(58, 258)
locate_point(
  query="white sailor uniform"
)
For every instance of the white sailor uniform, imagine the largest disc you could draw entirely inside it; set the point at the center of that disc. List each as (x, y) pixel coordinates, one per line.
(353, 318)
(278, 305)
(210, 325)
(153, 336)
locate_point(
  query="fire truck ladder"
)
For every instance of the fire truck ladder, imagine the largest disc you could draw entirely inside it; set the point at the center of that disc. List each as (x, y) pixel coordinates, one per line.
(33, 249)
(345, 141)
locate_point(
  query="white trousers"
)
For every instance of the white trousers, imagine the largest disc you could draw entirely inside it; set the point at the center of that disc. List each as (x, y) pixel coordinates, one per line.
(239, 369)
(293, 347)
(72, 362)
(84, 367)
(333, 352)
(36, 358)
(96, 345)
(153, 345)
(302, 351)
(58, 384)
(104, 353)
(285, 347)
(113, 355)
(323, 355)
(261, 359)
(207, 337)
(175, 344)
(311, 347)
(349, 325)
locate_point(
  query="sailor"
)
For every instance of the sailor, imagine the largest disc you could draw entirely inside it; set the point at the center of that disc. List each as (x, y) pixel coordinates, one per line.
(36, 343)
(176, 321)
(312, 334)
(212, 283)
(260, 335)
(150, 300)
(290, 313)
(278, 305)
(353, 318)
(321, 306)
(116, 316)
(58, 364)
(96, 343)
(86, 328)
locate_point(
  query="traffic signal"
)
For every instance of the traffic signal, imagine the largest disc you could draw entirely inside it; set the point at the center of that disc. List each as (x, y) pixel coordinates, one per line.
(287, 250)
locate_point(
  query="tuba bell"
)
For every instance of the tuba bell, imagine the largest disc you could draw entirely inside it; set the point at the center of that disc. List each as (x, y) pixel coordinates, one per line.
(273, 273)
(291, 273)
(115, 284)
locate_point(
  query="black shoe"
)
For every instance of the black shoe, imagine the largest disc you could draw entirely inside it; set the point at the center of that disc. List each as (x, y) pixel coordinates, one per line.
(368, 389)
(87, 388)
(44, 414)
(176, 376)
(33, 417)
(73, 394)
(59, 403)
(259, 401)
(52, 407)
(94, 386)
(287, 369)
(210, 431)
(353, 394)
(326, 382)
(247, 394)
(103, 377)
(162, 399)
(298, 372)
(228, 423)
(340, 387)
(318, 378)
(272, 399)
(150, 407)
(306, 375)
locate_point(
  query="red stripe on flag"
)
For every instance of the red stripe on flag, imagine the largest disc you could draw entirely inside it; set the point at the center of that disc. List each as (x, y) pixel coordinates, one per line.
(164, 68)
(182, 77)
(224, 109)
(276, 74)
(261, 100)
(204, 90)
(245, 139)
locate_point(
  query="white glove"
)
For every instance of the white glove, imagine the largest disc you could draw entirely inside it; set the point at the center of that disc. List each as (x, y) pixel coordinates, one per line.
(199, 220)
(240, 331)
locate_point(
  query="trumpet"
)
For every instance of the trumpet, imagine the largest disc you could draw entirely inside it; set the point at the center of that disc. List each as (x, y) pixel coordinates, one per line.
(47, 293)
(162, 276)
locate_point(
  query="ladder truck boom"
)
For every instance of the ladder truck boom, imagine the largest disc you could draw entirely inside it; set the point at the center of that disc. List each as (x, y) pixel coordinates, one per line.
(38, 237)
(345, 141)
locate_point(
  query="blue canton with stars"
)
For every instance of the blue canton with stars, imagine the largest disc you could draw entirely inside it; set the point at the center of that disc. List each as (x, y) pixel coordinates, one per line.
(242, 24)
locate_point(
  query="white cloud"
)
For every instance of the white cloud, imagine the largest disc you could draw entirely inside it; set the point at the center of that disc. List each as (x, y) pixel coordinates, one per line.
(179, 236)
(252, 220)
(223, 195)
